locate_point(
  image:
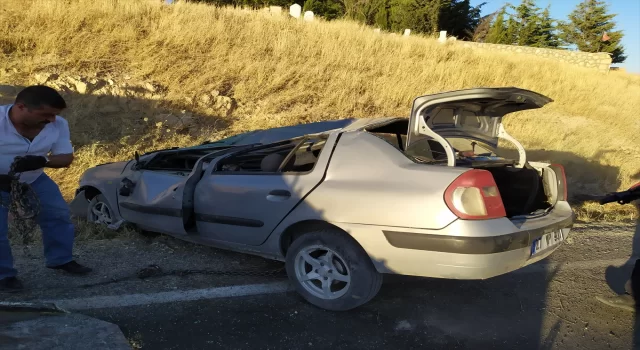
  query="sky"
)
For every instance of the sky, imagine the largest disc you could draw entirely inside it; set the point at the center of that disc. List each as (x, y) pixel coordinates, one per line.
(627, 19)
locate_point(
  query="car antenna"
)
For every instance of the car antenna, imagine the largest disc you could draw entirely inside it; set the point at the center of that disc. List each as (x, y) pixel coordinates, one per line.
(137, 156)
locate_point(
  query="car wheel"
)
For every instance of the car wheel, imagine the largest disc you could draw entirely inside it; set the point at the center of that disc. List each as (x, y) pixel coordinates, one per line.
(332, 271)
(99, 211)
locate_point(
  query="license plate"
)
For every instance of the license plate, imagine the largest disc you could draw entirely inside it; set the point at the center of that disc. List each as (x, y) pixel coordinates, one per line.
(547, 241)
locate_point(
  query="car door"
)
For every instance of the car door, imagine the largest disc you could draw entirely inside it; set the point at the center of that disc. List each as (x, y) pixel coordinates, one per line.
(154, 201)
(152, 193)
(241, 199)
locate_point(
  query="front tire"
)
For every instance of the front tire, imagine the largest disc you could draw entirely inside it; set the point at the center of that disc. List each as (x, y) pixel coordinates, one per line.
(99, 211)
(331, 271)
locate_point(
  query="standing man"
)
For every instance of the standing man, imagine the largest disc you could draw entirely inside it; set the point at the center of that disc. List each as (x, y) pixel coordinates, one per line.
(31, 129)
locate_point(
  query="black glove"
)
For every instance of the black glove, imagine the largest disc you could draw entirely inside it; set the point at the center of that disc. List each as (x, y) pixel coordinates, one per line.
(5, 183)
(29, 163)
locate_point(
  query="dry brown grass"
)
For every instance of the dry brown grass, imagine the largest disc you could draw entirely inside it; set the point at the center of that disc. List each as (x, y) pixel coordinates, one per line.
(284, 72)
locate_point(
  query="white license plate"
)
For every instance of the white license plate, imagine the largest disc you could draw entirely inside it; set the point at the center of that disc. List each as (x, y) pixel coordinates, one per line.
(547, 241)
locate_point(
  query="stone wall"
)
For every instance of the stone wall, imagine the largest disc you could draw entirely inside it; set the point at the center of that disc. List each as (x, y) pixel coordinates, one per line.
(600, 61)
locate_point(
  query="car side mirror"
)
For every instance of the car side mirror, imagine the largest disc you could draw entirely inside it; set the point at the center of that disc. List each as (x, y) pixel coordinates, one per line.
(136, 165)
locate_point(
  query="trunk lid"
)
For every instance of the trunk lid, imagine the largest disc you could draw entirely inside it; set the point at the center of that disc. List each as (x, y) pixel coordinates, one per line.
(474, 114)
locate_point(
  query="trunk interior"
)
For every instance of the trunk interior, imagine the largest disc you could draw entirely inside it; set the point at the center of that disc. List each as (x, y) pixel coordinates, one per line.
(522, 190)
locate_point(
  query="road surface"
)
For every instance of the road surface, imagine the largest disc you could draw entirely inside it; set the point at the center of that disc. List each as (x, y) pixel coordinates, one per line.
(238, 301)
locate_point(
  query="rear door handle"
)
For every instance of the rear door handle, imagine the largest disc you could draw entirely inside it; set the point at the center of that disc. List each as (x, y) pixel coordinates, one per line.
(278, 195)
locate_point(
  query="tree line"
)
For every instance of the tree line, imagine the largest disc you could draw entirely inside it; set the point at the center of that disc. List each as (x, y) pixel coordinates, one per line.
(589, 28)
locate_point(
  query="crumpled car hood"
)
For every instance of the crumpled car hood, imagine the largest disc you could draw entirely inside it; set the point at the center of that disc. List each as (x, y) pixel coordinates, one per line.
(104, 171)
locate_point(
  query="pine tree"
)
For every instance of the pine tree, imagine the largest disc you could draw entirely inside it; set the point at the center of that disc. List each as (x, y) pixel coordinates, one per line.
(361, 10)
(498, 31)
(422, 15)
(459, 18)
(527, 26)
(328, 9)
(545, 33)
(526, 20)
(396, 15)
(587, 25)
(382, 17)
(482, 29)
(511, 32)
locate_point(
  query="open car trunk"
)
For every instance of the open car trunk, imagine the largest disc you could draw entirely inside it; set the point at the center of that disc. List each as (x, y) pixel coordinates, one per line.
(476, 115)
(462, 129)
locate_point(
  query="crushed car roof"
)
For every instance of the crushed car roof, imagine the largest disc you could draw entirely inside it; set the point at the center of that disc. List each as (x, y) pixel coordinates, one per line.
(288, 132)
(267, 136)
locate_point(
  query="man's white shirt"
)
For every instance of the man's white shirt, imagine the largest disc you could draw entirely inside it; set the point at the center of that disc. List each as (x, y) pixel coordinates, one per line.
(54, 139)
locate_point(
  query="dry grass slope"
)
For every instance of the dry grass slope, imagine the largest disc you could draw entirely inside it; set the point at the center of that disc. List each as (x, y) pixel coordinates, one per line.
(283, 72)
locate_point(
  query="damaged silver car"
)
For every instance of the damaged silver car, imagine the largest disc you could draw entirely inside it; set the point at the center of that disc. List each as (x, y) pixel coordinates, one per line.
(344, 202)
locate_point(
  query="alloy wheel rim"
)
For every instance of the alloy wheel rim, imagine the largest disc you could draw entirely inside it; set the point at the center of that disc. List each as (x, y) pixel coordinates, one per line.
(322, 272)
(101, 213)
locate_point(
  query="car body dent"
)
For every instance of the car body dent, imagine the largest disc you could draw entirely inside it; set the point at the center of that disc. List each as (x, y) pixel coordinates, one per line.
(156, 201)
(162, 200)
(105, 179)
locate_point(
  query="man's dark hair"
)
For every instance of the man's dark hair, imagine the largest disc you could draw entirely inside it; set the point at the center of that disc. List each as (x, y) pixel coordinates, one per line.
(39, 95)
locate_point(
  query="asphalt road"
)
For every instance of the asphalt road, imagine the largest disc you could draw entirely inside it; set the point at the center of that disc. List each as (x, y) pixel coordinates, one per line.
(550, 305)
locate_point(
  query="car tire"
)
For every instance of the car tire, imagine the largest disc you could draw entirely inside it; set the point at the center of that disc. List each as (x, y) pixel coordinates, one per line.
(99, 211)
(348, 271)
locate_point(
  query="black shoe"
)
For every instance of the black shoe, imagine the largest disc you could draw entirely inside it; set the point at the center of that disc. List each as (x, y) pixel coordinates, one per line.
(72, 267)
(11, 284)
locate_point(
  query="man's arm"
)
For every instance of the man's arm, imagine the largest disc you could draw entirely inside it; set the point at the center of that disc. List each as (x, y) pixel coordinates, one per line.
(62, 151)
(60, 161)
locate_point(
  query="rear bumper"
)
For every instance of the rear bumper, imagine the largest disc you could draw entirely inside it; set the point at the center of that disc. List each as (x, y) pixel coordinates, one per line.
(519, 239)
(464, 249)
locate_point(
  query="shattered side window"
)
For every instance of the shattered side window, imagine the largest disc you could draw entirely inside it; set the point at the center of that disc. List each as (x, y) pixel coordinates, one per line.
(294, 156)
(305, 157)
(262, 160)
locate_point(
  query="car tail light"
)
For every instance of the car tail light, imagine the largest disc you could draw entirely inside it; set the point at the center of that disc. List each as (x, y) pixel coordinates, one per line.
(474, 195)
(563, 194)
